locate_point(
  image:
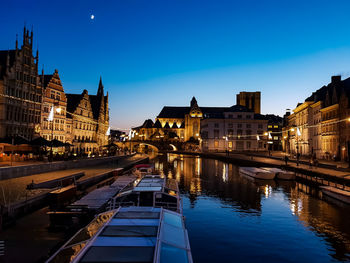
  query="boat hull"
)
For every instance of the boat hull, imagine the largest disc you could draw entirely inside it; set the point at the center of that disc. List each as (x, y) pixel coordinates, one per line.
(338, 194)
(281, 174)
(257, 173)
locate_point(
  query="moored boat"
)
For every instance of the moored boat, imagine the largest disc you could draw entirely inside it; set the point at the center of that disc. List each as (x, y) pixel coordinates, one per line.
(281, 174)
(151, 190)
(257, 173)
(129, 234)
(143, 169)
(336, 193)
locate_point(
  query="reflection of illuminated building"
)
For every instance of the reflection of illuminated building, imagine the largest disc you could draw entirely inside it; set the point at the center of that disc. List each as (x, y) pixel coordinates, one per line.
(325, 218)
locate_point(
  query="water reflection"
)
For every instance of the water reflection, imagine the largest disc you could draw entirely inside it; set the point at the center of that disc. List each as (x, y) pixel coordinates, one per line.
(292, 218)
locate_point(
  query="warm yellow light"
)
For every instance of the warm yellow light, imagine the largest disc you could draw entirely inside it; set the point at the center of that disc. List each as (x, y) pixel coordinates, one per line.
(58, 110)
(265, 133)
(197, 134)
(349, 119)
(285, 137)
(292, 129)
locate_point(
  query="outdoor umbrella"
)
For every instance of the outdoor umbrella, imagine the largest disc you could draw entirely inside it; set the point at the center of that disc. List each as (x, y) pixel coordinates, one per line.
(56, 143)
(40, 141)
(68, 144)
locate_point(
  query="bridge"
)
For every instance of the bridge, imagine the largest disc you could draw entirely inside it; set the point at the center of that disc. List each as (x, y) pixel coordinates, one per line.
(164, 145)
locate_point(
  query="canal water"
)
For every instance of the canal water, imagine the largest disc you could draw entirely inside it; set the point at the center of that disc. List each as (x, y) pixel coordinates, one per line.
(232, 218)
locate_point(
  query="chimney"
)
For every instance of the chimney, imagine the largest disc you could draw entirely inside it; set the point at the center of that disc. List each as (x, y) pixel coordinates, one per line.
(336, 79)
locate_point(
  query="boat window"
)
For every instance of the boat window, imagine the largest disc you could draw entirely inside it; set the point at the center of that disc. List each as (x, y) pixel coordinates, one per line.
(172, 219)
(68, 254)
(170, 254)
(130, 231)
(90, 230)
(123, 254)
(173, 235)
(149, 189)
(137, 215)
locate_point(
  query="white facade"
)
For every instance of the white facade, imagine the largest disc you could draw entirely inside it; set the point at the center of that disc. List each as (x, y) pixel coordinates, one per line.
(234, 131)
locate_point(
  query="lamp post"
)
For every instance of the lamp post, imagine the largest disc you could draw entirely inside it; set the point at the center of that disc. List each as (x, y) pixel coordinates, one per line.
(51, 118)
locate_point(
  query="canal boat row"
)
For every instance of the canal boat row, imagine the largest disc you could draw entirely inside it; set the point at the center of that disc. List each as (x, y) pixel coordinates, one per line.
(142, 222)
(267, 173)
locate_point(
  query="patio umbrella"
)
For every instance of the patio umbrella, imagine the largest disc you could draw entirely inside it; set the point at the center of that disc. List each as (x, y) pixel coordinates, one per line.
(56, 143)
(68, 144)
(40, 141)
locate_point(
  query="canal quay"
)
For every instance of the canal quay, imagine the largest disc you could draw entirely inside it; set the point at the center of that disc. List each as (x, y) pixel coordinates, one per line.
(232, 218)
(229, 217)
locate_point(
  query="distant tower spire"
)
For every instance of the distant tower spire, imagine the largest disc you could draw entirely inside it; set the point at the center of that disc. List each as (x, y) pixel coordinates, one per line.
(100, 91)
(16, 42)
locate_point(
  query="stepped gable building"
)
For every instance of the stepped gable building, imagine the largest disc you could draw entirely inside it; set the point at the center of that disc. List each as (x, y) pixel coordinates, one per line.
(20, 89)
(322, 121)
(54, 98)
(89, 116)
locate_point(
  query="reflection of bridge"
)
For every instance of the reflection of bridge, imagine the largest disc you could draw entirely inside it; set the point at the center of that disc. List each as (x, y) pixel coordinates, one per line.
(165, 145)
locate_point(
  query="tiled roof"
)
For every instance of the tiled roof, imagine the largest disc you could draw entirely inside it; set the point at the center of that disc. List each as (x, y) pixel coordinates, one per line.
(73, 101)
(46, 79)
(95, 102)
(173, 112)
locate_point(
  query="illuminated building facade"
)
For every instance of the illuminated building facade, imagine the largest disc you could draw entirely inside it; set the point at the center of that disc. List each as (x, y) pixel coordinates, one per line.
(89, 117)
(234, 128)
(55, 101)
(320, 125)
(178, 123)
(20, 89)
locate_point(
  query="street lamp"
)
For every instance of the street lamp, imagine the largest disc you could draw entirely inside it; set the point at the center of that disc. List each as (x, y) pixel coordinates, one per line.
(51, 118)
(298, 134)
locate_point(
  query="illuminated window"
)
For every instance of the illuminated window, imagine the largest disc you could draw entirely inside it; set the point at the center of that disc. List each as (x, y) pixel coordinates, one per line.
(269, 126)
(216, 144)
(229, 144)
(275, 126)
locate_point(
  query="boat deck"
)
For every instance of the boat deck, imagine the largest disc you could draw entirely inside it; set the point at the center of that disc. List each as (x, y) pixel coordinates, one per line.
(129, 234)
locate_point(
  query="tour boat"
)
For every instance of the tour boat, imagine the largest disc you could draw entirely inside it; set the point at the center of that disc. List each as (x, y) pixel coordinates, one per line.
(151, 190)
(336, 193)
(257, 173)
(129, 234)
(143, 169)
(281, 174)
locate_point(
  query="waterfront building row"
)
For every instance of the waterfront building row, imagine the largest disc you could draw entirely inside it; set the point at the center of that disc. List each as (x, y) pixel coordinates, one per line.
(237, 128)
(320, 125)
(33, 104)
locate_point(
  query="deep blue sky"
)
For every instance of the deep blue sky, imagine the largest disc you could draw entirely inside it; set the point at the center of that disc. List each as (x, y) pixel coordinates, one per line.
(156, 53)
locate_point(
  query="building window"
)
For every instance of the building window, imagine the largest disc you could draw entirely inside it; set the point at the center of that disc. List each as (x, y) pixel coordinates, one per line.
(239, 125)
(216, 125)
(239, 116)
(230, 116)
(248, 145)
(275, 138)
(230, 145)
(260, 126)
(249, 126)
(230, 125)
(216, 144)
(249, 116)
(216, 133)
(269, 126)
(275, 126)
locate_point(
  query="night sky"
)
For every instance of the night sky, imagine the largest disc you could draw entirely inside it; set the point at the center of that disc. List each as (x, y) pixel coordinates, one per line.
(156, 53)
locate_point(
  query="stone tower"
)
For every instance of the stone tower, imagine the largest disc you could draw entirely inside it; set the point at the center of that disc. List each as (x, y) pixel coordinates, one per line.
(250, 100)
